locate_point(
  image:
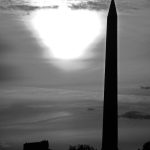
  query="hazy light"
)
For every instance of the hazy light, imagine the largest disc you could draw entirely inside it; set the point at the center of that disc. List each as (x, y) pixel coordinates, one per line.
(67, 34)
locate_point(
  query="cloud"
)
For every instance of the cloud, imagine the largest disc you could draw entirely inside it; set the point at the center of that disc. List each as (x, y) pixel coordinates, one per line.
(9, 73)
(135, 115)
(28, 94)
(4, 47)
(91, 5)
(26, 7)
(145, 87)
(104, 5)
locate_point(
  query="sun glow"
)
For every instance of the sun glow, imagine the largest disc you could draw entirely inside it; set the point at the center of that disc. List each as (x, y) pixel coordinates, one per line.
(67, 34)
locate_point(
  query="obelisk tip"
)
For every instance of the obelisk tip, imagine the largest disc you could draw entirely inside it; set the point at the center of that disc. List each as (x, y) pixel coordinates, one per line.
(112, 8)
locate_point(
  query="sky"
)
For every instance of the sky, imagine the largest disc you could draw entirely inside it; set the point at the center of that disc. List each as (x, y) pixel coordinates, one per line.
(52, 70)
(22, 49)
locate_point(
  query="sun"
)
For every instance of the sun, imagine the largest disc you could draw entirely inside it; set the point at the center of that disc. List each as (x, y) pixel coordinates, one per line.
(67, 34)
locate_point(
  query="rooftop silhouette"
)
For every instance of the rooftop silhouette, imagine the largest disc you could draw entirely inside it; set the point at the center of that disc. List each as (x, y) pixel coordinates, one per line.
(43, 145)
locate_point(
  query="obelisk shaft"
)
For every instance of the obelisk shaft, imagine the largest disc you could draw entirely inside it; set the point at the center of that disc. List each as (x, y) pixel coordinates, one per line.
(110, 112)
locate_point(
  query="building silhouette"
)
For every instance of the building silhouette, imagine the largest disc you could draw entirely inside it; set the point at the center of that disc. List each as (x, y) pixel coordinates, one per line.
(43, 145)
(110, 110)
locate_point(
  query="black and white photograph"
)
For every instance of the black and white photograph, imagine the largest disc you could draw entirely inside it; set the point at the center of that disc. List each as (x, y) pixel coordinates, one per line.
(74, 75)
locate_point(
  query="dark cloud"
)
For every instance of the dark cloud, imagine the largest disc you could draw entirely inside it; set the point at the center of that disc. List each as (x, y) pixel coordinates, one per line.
(26, 7)
(90, 109)
(90, 5)
(104, 5)
(145, 87)
(4, 47)
(9, 73)
(135, 115)
(122, 6)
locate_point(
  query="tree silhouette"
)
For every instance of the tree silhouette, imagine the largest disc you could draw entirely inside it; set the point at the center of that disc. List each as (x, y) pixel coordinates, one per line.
(146, 146)
(81, 147)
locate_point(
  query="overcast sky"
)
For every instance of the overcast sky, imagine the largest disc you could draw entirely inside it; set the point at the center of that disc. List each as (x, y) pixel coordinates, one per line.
(22, 61)
(42, 96)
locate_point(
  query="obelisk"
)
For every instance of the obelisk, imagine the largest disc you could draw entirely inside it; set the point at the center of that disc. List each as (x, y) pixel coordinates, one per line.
(110, 108)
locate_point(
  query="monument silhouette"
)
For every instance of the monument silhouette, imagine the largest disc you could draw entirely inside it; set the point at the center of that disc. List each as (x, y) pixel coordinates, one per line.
(110, 108)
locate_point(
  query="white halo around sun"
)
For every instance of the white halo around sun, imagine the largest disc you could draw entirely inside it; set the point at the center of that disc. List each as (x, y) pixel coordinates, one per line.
(66, 33)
